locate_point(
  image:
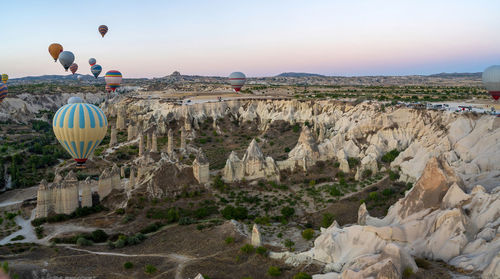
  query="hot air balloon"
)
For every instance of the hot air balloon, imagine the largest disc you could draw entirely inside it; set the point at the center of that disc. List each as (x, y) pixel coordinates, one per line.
(113, 79)
(96, 70)
(5, 78)
(3, 92)
(80, 128)
(92, 61)
(103, 29)
(66, 58)
(491, 80)
(73, 68)
(237, 79)
(54, 50)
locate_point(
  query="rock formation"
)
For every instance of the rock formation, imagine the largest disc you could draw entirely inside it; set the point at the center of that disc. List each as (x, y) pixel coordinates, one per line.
(109, 180)
(131, 179)
(436, 220)
(201, 169)
(59, 197)
(141, 144)
(86, 199)
(183, 138)
(170, 144)
(148, 142)
(252, 166)
(154, 143)
(256, 237)
(120, 119)
(306, 152)
(113, 140)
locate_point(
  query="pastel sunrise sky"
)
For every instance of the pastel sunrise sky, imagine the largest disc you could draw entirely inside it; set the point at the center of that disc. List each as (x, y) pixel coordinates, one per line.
(259, 38)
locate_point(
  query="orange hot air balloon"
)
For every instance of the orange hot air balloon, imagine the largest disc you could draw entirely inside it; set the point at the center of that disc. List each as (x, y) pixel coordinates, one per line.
(103, 29)
(54, 50)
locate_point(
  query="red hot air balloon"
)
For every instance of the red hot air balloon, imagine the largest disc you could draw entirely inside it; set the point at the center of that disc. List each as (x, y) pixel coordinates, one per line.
(103, 29)
(73, 68)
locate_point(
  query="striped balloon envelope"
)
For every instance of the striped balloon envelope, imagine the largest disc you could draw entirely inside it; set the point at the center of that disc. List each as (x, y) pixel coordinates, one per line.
(237, 80)
(113, 79)
(79, 127)
(103, 29)
(3, 91)
(5, 78)
(73, 68)
(96, 70)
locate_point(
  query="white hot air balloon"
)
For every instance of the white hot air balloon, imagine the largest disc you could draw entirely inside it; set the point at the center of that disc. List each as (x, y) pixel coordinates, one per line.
(66, 58)
(491, 81)
(237, 80)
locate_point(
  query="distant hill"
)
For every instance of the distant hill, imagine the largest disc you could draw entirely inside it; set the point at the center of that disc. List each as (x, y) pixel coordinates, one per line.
(457, 75)
(292, 74)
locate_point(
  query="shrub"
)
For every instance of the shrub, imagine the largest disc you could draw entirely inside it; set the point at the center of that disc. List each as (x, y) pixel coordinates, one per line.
(373, 196)
(262, 220)
(407, 272)
(261, 250)
(302, 275)
(99, 236)
(390, 156)
(150, 269)
(289, 244)
(274, 271)
(387, 192)
(229, 240)
(366, 173)
(82, 241)
(152, 228)
(247, 248)
(308, 234)
(336, 165)
(393, 175)
(186, 221)
(287, 211)
(39, 232)
(334, 191)
(120, 211)
(287, 149)
(327, 220)
(120, 243)
(238, 213)
(19, 237)
(352, 162)
(128, 265)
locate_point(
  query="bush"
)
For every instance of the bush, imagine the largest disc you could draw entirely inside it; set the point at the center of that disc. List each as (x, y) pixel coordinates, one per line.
(17, 238)
(99, 236)
(327, 220)
(308, 234)
(229, 240)
(81, 241)
(366, 173)
(39, 232)
(387, 192)
(373, 196)
(289, 244)
(274, 271)
(238, 213)
(183, 221)
(407, 272)
(247, 249)
(287, 211)
(352, 162)
(150, 269)
(120, 243)
(152, 228)
(390, 156)
(302, 275)
(261, 250)
(393, 175)
(128, 265)
(287, 149)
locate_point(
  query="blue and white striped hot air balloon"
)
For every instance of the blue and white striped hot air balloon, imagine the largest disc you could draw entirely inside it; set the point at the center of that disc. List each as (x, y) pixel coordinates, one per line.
(80, 128)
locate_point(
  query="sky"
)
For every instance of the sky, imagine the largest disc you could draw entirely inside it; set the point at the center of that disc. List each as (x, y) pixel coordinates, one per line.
(258, 37)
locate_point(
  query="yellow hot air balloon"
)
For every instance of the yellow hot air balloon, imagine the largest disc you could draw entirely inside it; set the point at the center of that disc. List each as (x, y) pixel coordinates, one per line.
(54, 50)
(5, 78)
(80, 128)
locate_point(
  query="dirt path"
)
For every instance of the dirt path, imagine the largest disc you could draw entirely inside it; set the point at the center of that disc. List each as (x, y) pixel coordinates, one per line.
(180, 259)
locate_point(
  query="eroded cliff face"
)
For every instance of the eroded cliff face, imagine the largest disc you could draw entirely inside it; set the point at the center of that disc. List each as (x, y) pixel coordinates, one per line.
(23, 107)
(469, 144)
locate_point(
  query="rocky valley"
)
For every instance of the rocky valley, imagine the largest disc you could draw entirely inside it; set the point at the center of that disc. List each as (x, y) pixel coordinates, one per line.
(255, 187)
